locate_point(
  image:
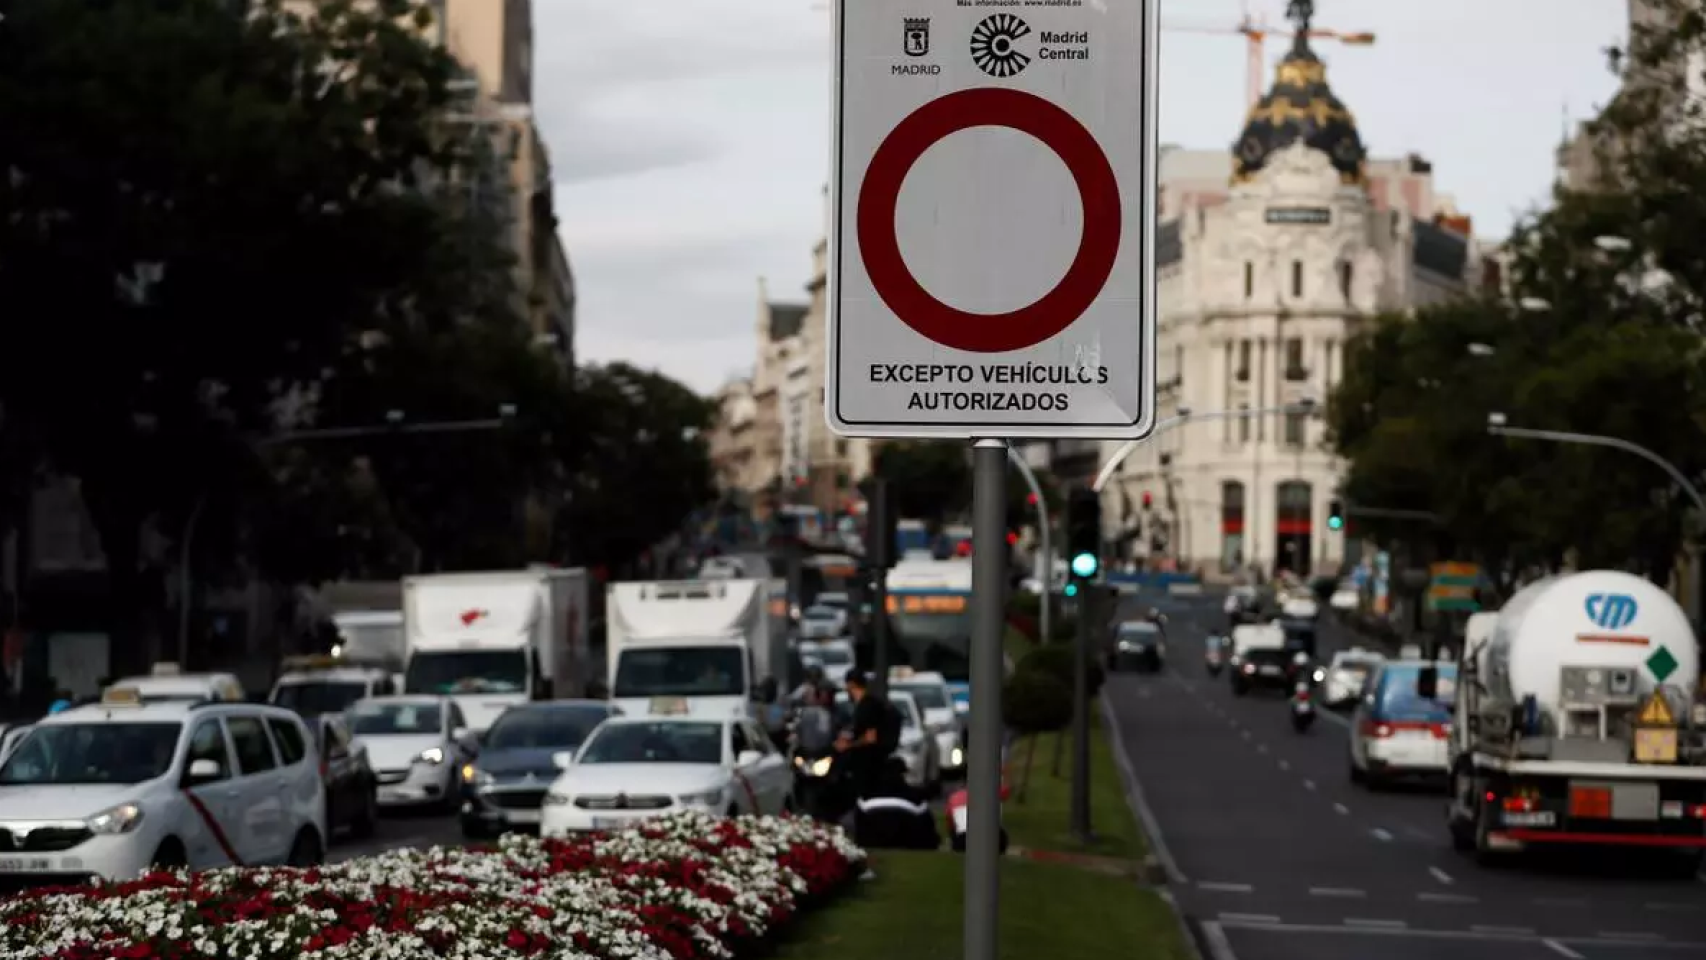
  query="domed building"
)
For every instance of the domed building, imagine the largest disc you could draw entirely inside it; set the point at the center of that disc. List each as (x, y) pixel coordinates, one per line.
(1269, 256)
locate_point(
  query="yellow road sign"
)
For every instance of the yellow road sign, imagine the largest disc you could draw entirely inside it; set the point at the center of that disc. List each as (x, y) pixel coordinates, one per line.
(1656, 712)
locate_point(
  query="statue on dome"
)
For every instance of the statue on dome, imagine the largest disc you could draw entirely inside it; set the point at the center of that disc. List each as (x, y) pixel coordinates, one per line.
(1301, 12)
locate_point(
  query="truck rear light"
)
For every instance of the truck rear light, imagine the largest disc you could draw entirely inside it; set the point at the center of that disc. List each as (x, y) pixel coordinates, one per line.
(1440, 731)
(1519, 805)
(1698, 811)
(1376, 731)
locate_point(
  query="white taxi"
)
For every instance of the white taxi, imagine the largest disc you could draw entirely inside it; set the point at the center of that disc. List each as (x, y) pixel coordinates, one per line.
(11, 736)
(1347, 674)
(1394, 732)
(631, 768)
(114, 788)
(317, 684)
(412, 743)
(929, 690)
(166, 683)
(916, 749)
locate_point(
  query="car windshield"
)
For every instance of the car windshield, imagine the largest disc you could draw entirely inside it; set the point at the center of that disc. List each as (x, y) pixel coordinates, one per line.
(681, 672)
(466, 671)
(834, 657)
(928, 696)
(396, 719)
(544, 728)
(822, 613)
(318, 696)
(689, 742)
(1398, 699)
(111, 753)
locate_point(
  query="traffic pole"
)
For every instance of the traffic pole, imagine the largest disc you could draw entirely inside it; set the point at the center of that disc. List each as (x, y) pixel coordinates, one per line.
(878, 548)
(988, 672)
(1089, 606)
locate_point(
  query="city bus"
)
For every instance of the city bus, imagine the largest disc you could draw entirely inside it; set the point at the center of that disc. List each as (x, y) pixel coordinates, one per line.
(929, 611)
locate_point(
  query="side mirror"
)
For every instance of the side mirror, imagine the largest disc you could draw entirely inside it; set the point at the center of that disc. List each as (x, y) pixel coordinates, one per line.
(1427, 683)
(203, 771)
(748, 757)
(563, 759)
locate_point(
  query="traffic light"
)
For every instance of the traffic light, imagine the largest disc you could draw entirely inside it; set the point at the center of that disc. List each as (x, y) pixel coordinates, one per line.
(881, 548)
(1335, 515)
(1148, 501)
(1084, 533)
(1031, 499)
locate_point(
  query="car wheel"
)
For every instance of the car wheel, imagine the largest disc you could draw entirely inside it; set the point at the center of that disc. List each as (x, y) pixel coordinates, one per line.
(170, 856)
(307, 850)
(474, 830)
(1462, 829)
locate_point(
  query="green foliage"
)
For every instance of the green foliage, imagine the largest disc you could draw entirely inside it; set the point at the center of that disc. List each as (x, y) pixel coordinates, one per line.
(1055, 659)
(1035, 702)
(928, 479)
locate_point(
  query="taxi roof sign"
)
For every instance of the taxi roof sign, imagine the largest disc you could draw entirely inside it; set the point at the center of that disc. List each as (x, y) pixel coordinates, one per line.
(900, 672)
(668, 706)
(166, 669)
(1656, 712)
(121, 697)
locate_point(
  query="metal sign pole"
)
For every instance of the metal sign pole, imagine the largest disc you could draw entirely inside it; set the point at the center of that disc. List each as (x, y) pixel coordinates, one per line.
(1089, 608)
(881, 544)
(983, 763)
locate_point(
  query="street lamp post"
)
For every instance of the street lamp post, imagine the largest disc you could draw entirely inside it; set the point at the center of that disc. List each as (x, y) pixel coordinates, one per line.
(1046, 578)
(1497, 426)
(394, 424)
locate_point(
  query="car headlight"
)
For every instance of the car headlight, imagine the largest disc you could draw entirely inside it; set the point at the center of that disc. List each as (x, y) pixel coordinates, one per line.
(957, 757)
(474, 775)
(1320, 675)
(120, 819)
(432, 755)
(704, 798)
(555, 800)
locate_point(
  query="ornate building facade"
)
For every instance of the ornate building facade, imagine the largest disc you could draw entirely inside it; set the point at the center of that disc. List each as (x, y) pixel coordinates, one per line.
(1268, 259)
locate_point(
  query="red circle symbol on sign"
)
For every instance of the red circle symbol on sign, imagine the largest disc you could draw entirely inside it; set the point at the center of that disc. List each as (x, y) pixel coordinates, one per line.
(1098, 248)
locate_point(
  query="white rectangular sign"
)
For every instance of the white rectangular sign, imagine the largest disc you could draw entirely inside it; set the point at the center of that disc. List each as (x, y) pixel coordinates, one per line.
(991, 269)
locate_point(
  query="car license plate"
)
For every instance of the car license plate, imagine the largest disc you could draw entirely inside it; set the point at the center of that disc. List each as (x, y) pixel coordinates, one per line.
(523, 816)
(1538, 818)
(1270, 671)
(25, 864)
(607, 823)
(392, 795)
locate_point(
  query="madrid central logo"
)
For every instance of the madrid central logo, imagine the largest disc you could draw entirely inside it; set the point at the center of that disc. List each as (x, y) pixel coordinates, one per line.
(994, 45)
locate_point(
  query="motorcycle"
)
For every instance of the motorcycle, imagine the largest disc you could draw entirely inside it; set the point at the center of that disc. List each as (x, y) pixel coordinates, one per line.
(1302, 706)
(820, 789)
(1215, 658)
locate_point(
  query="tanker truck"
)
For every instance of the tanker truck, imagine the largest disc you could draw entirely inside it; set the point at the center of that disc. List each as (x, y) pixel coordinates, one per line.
(1575, 723)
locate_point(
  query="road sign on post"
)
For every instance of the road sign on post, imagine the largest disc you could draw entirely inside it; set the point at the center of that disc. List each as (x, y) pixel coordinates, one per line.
(991, 266)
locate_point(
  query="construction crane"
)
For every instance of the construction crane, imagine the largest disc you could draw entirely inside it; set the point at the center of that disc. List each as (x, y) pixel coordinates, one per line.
(1256, 32)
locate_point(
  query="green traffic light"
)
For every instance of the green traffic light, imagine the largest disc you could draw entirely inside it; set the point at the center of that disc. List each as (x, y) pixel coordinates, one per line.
(1071, 590)
(1335, 523)
(1084, 565)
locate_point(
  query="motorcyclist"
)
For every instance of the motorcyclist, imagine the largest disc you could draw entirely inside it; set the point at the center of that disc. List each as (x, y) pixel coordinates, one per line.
(820, 794)
(807, 691)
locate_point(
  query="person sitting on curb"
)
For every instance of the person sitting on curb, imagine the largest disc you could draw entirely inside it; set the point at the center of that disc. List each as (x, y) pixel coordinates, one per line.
(894, 815)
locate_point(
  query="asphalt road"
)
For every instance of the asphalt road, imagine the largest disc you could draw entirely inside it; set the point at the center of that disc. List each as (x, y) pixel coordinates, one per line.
(399, 829)
(1273, 853)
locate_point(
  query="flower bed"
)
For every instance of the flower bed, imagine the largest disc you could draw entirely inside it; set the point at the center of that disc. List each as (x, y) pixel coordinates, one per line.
(687, 887)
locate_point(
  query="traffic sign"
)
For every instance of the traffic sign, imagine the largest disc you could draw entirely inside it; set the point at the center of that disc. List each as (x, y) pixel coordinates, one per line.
(1656, 712)
(992, 269)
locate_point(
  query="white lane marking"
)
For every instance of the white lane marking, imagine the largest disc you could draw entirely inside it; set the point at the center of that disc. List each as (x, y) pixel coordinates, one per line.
(1244, 733)
(1441, 876)
(1215, 939)
(1308, 784)
(1224, 887)
(1510, 931)
(1135, 798)
(1618, 935)
(1555, 902)
(1341, 810)
(1248, 918)
(1375, 924)
(1330, 715)
(1261, 748)
(1284, 765)
(1415, 933)
(1446, 898)
(1381, 835)
(1561, 950)
(1350, 892)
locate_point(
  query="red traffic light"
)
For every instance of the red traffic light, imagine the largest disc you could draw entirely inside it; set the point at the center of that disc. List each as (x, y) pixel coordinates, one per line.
(1012, 538)
(1031, 499)
(1147, 500)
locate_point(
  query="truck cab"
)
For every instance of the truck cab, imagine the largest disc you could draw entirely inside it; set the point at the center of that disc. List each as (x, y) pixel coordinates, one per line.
(704, 646)
(320, 685)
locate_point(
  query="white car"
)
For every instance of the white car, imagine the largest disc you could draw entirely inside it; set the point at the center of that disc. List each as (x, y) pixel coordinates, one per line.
(823, 622)
(113, 788)
(917, 750)
(636, 767)
(166, 684)
(941, 721)
(1346, 598)
(1347, 674)
(11, 737)
(835, 657)
(1394, 732)
(412, 744)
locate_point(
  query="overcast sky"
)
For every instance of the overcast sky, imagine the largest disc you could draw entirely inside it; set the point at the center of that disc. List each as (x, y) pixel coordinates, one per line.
(690, 137)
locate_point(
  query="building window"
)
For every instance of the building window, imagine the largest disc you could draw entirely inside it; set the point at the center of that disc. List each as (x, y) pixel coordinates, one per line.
(1292, 529)
(1231, 524)
(841, 449)
(1294, 369)
(1243, 372)
(1244, 424)
(1345, 277)
(1178, 366)
(1297, 278)
(1249, 279)
(1296, 429)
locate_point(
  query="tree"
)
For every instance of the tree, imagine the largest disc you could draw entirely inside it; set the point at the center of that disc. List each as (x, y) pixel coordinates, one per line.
(205, 211)
(638, 464)
(928, 480)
